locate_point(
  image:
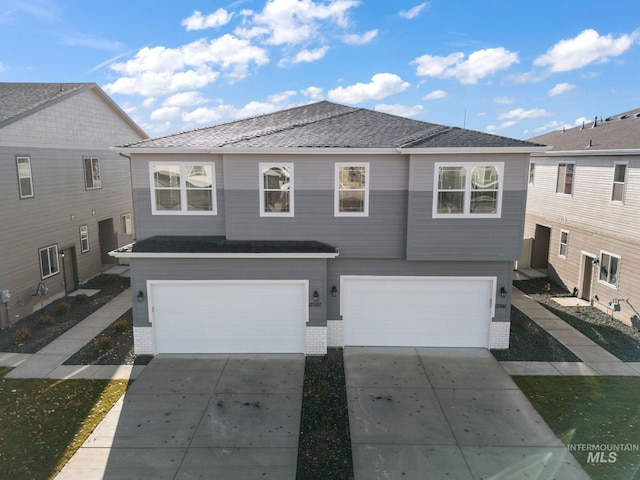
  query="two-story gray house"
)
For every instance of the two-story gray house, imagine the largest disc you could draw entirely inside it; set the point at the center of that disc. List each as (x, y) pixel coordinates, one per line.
(324, 225)
(65, 194)
(583, 210)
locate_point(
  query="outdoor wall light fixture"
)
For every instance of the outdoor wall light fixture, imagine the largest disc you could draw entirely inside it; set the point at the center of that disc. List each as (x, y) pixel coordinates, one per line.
(334, 291)
(316, 299)
(140, 296)
(503, 292)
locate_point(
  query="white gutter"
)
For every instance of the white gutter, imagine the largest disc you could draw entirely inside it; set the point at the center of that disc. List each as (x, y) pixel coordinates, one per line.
(588, 153)
(123, 253)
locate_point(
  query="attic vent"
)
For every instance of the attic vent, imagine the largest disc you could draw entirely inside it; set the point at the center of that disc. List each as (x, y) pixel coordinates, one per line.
(608, 119)
(637, 115)
(622, 117)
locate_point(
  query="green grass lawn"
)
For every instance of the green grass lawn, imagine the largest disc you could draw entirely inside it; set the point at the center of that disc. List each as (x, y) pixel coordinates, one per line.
(593, 416)
(43, 422)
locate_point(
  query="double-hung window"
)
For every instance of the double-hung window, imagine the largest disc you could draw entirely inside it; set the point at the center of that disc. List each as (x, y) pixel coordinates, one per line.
(49, 265)
(25, 181)
(84, 238)
(92, 173)
(564, 183)
(471, 190)
(276, 189)
(619, 181)
(125, 223)
(609, 269)
(352, 190)
(183, 189)
(532, 172)
(564, 244)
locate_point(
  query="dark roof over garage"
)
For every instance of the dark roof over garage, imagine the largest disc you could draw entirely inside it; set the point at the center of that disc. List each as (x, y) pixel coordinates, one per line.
(330, 125)
(220, 245)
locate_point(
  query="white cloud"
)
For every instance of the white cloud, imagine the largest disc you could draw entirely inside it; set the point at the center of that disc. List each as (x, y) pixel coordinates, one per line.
(477, 66)
(354, 39)
(435, 95)
(503, 100)
(290, 22)
(521, 114)
(554, 125)
(560, 88)
(216, 19)
(305, 56)
(206, 115)
(582, 120)
(586, 48)
(413, 12)
(502, 126)
(160, 70)
(281, 98)
(165, 113)
(381, 85)
(400, 110)
(314, 93)
(184, 99)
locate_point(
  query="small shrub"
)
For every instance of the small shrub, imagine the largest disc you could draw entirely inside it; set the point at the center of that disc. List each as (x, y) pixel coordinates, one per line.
(21, 335)
(121, 326)
(63, 308)
(104, 343)
(81, 298)
(46, 320)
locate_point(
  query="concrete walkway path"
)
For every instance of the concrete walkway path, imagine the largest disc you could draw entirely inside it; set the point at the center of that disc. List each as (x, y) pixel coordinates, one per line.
(595, 359)
(47, 363)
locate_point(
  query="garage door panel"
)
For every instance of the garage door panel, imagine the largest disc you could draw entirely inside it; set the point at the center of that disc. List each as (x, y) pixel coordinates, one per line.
(416, 311)
(229, 317)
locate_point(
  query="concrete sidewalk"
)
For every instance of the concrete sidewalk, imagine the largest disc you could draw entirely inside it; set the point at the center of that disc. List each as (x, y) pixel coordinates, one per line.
(595, 359)
(47, 363)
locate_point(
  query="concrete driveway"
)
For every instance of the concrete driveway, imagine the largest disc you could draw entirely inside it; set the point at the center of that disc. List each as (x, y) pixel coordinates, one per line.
(216, 416)
(434, 413)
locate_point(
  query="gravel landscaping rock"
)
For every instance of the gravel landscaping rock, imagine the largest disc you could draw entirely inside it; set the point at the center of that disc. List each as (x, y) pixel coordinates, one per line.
(47, 324)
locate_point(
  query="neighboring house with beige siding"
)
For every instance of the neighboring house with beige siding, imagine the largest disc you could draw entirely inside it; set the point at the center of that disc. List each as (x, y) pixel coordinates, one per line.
(583, 212)
(65, 194)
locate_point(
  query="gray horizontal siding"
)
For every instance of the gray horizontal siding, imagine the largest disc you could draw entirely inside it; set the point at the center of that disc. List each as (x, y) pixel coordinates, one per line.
(313, 270)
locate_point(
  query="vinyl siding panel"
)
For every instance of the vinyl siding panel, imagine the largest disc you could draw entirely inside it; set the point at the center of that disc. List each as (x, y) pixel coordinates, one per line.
(313, 270)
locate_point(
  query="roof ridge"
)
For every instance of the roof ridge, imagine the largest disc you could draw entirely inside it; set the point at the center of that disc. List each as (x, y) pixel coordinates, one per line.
(418, 136)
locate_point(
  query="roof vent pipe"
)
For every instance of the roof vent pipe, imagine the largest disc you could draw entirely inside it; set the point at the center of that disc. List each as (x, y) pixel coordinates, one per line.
(595, 123)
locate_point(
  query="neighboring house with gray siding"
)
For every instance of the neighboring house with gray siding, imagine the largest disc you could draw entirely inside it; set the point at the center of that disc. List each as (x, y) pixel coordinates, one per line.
(583, 209)
(62, 189)
(324, 225)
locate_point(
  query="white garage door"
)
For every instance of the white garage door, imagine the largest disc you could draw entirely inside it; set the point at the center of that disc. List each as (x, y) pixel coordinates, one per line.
(417, 311)
(229, 316)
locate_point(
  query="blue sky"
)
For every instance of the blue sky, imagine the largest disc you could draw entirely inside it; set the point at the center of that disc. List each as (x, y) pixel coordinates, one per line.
(514, 68)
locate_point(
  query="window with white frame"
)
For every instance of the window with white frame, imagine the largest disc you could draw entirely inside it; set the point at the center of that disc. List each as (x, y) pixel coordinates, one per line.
(49, 264)
(276, 189)
(609, 269)
(352, 190)
(468, 190)
(564, 243)
(92, 173)
(619, 181)
(25, 181)
(183, 189)
(532, 172)
(125, 224)
(564, 183)
(84, 238)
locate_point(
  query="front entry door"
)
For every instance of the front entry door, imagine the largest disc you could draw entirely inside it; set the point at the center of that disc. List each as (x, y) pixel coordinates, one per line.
(587, 277)
(70, 268)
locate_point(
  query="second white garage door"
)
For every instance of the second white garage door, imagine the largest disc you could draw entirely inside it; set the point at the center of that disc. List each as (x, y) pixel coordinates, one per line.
(229, 316)
(417, 311)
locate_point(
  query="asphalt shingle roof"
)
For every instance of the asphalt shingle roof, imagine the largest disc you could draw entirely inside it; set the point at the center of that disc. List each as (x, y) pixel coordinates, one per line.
(20, 99)
(330, 125)
(217, 244)
(621, 131)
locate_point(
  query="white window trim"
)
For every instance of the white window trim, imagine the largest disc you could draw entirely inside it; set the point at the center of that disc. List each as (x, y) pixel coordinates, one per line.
(532, 168)
(84, 169)
(610, 285)
(261, 168)
(125, 221)
(573, 180)
(84, 238)
(336, 195)
(183, 189)
(469, 166)
(54, 249)
(623, 183)
(566, 244)
(30, 177)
